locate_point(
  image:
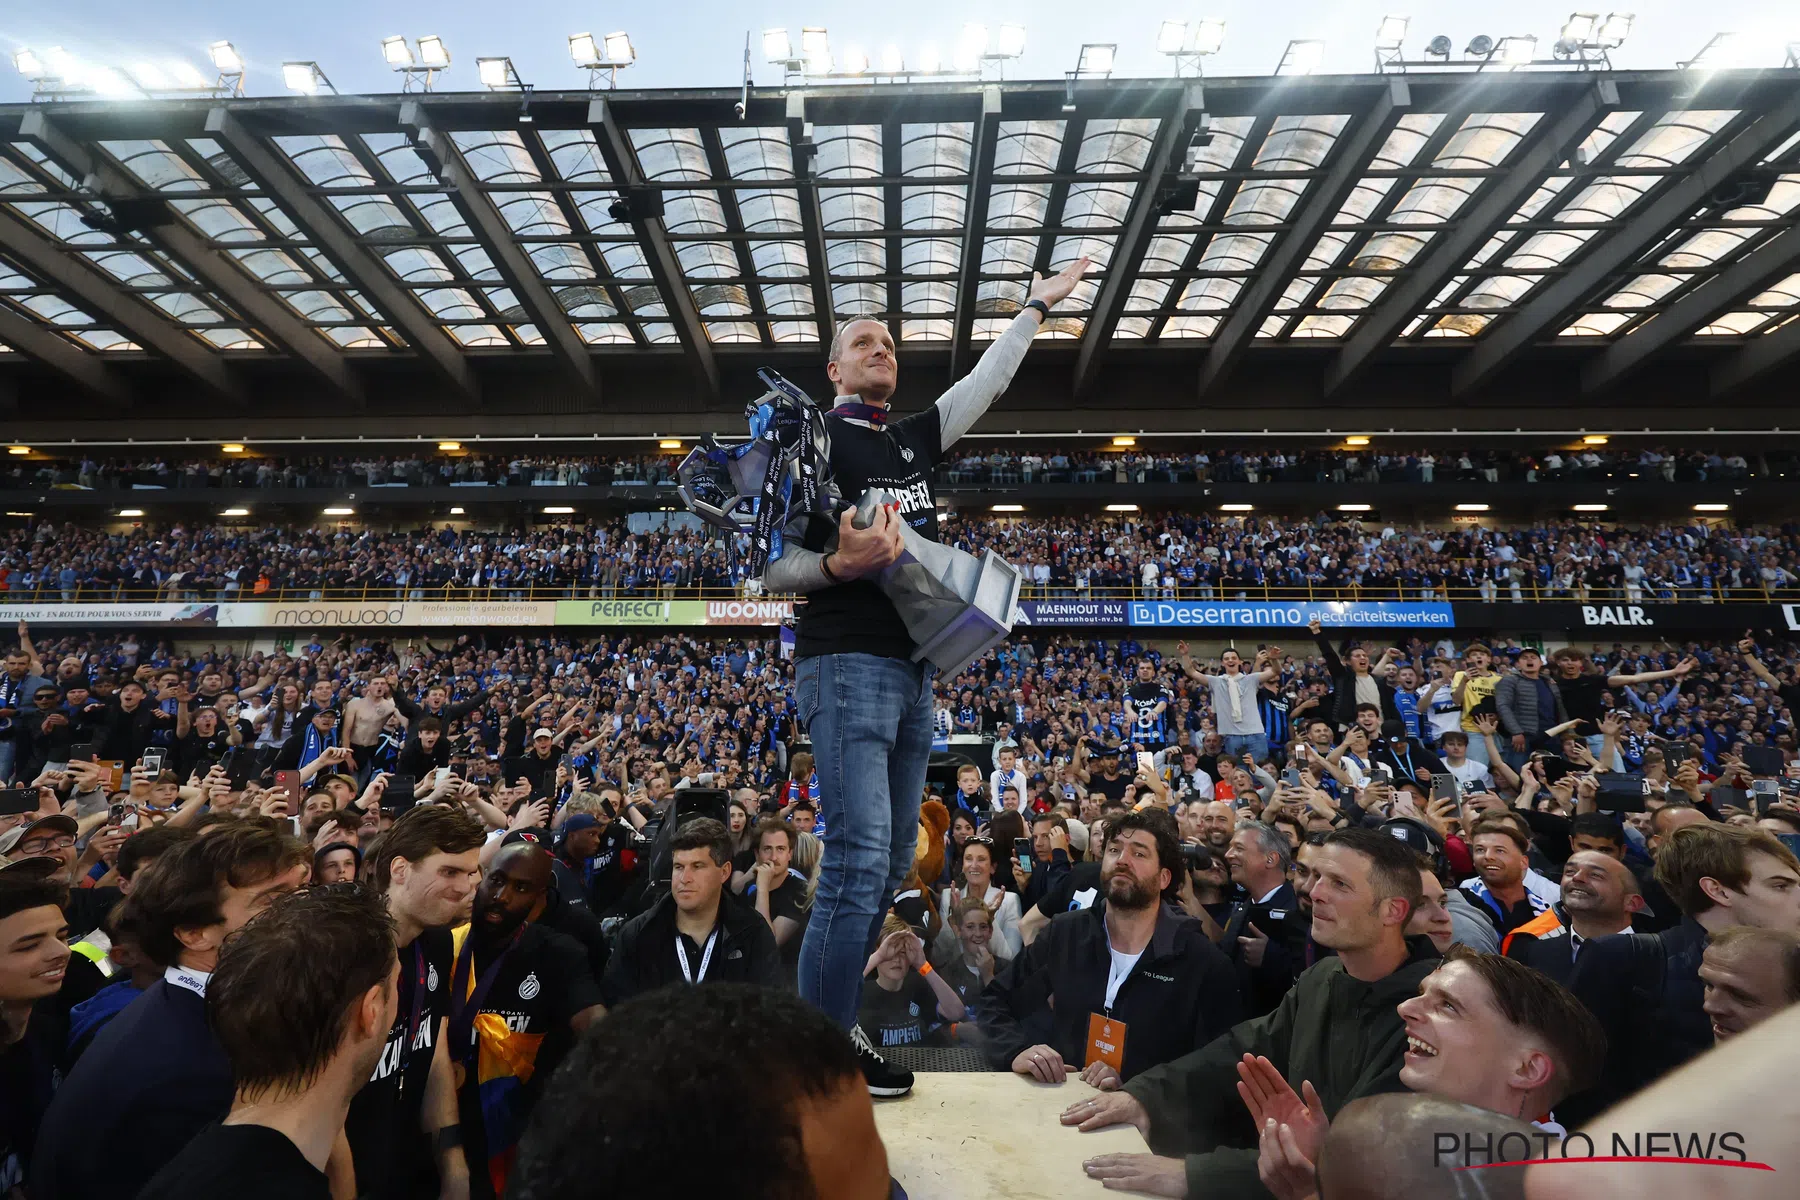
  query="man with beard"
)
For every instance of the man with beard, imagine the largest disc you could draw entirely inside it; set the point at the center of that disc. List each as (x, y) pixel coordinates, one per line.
(1599, 896)
(1338, 1028)
(425, 867)
(1218, 823)
(518, 994)
(1129, 982)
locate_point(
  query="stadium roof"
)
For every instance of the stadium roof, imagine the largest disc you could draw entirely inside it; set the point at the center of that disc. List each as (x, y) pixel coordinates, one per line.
(1350, 237)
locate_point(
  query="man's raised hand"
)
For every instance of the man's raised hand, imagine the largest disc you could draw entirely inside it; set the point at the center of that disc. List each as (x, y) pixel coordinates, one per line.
(1054, 290)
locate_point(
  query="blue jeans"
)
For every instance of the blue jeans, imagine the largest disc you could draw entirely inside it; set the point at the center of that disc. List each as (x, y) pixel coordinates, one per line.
(1255, 743)
(870, 723)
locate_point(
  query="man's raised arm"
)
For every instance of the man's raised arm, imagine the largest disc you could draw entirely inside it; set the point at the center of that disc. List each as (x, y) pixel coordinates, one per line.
(969, 397)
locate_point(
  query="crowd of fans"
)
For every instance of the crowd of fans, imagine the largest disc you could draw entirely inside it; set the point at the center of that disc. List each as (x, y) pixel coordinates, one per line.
(1322, 871)
(1169, 555)
(1000, 462)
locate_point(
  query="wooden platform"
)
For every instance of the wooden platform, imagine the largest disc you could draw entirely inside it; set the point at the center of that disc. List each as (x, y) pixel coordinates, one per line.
(993, 1136)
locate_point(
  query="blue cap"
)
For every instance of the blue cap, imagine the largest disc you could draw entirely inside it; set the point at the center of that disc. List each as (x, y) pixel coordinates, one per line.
(579, 822)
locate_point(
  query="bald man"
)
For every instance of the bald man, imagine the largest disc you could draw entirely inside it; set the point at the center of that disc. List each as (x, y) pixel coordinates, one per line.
(1600, 896)
(1750, 974)
(1386, 1146)
(865, 702)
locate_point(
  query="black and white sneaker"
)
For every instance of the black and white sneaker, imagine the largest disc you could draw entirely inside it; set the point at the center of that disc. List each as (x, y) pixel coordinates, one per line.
(884, 1078)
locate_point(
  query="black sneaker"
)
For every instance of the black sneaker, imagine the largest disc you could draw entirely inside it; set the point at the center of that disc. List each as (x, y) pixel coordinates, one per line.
(884, 1078)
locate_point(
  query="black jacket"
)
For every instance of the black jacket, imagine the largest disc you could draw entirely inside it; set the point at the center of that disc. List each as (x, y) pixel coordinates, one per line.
(151, 1080)
(643, 954)
(1343, 689)
(1180, 995)
(1044, 877)
(1645, 990)
(1414, 752)
(1262, 987)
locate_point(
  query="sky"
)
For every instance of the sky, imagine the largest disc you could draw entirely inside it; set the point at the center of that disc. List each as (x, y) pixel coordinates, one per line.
(700, 43)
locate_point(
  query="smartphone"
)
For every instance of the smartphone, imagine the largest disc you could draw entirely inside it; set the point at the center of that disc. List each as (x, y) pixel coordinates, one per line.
(1620, 793)
(1022, 849)
(1146, 762)
(1555, 766)
(116, 815)
(81, 752)
(289, 782)
(1790, 840)
(1384, 769)
(400, 789)
(1674, 754)
(1445, 787)
(153, 761)
(14, 801)
(238, 762)
(1763, 792)
(1764, 760)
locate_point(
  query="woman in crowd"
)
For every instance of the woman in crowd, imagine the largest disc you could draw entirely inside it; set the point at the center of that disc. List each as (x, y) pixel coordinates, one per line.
(978, 887)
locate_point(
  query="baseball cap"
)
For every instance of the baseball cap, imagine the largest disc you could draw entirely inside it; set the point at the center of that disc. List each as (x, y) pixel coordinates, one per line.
(542, 733)
(535, 835)
(38, 867)
(579, 822)
(54, 822)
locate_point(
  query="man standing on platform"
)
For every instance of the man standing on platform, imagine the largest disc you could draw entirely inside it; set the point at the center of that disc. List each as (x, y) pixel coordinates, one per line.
(865, 702)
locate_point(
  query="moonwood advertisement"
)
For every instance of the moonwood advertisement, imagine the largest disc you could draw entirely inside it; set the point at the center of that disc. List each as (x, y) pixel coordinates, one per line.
(384, 614)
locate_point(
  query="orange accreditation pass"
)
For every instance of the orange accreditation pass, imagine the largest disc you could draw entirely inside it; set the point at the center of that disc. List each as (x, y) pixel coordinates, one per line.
(1105, 1042)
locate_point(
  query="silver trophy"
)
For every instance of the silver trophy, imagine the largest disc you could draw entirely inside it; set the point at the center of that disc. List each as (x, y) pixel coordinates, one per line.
(956, 606)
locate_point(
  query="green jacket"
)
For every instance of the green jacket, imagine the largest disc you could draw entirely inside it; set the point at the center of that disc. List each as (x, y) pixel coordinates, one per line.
(1337, 1031)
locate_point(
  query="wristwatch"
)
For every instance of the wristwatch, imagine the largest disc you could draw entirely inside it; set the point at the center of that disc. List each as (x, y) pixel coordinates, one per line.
(1043, 309)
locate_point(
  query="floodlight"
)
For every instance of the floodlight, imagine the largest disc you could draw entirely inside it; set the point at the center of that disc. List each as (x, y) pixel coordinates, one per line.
(433, 53)
(496, 74)
(1171, 37)
(974, 40)
(1391, 32)
(1007, 508)
(1209, 35)
(1615, 29)
(1580, 27)
(1591, 507)
(63, 65)
(1354, 507)
(187, 75)
(619, 50)
(18, 449)
(558, 510)
(302, 77)
(777, 46)
(339, 511)
(583, 49)
(234, 512)
(930, 61)
(1439, 47)
(1471, 508)
(232, 447)
(131, 512)
(1518, 50)
(1012, 41)
(1301, 57)
(1121, 508)
(1237, 508)
(815, 47)
(1712, 508)
(396, 51)
(1096, 59)
(1480, 46)
(892, 62)
(449, 445)
(1357, 440)
(855, 61)
(28, 65)
(225, 57)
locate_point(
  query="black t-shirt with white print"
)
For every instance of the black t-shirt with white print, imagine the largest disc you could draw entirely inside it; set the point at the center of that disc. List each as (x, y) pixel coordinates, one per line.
(856, 617)
(386, 1141)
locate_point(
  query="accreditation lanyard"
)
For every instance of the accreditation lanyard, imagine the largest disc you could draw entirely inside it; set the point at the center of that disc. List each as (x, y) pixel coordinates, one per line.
(462, 1015)
(418, 1007)
(681, 957)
